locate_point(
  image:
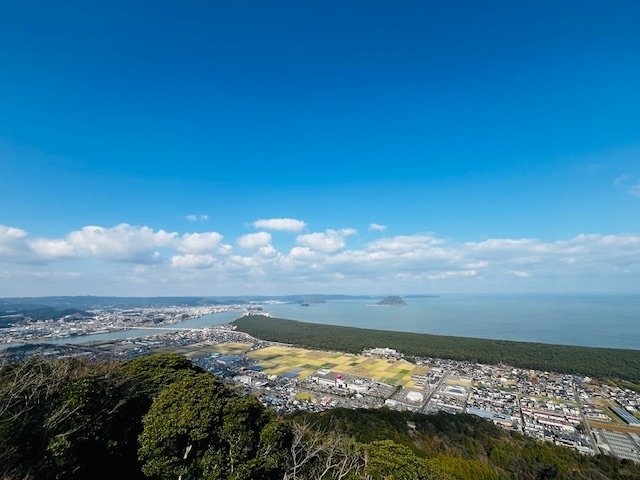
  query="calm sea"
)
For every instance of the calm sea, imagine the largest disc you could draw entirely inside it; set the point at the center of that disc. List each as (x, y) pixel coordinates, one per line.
(590, 320)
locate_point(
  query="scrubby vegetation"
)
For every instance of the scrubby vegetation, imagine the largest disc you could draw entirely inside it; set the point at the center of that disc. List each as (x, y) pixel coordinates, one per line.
(597, 362)
(161, 417)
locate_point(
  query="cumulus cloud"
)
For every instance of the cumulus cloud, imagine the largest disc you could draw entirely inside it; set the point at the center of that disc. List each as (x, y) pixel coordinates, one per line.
(12, 240)
(52, 248)
(200, 242)
(193, 217)
(254, 240)
(328, 241)
(410, 245)
(123, 243)
(191, 260)
(305, 254)
(323, 260)
(376, 227)
(280, 224)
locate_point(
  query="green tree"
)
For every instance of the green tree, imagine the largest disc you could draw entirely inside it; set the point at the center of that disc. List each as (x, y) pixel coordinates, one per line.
(149, 374)
(462, 469)
(388, 460)
(79, 429)
(45, 409)
(197, 428)
(255, 442)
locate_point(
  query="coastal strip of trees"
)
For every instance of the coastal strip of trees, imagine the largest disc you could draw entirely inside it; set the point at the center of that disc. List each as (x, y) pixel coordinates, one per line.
(604, 363)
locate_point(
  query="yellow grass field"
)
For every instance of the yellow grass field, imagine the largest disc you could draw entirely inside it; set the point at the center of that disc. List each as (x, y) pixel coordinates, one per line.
(300, 363)
(231, 348)
(205, 348)
(624, 428)
(459, 381)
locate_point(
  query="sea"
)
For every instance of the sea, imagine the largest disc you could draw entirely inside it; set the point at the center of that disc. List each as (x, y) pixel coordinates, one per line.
(587, 320)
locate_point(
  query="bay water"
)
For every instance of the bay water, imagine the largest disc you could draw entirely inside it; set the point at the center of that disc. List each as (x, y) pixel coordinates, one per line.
(588, 320)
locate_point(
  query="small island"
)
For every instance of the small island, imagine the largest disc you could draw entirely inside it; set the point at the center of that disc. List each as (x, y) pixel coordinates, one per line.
(308, 300)
(392, 300)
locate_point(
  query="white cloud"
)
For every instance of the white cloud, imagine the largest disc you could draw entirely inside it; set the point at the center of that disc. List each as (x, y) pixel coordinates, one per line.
(11, 233)
(376, 227)
(12, 240)
(123, 243)
(635, 190)
(405, 243)
(305, 254)
(268, 251)
(254, 240)
(281, 224)
(193, 217)
(200, 242)
(53, 248)
(190, 260)
(328, 241)
(319, 261)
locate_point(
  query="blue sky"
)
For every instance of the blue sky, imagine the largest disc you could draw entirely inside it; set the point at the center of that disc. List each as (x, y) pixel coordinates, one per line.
(450, 125)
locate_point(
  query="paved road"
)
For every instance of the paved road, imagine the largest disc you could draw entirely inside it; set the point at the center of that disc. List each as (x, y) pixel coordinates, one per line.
(585, 421)
(436, 388)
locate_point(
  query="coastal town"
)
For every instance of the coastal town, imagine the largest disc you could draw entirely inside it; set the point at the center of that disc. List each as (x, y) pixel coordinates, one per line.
(105, 320)
(578, 412)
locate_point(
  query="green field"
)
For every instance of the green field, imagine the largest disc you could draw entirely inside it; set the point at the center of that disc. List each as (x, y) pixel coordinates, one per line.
(300, 363)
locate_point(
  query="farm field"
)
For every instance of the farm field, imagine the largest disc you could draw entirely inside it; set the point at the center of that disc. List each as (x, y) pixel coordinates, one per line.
(300, 363)
(459, 381)
(622, 428)
(197, 349)
(231, 348)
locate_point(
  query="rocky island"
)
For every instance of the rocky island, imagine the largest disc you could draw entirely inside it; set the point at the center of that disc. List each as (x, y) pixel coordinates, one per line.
(392, 300)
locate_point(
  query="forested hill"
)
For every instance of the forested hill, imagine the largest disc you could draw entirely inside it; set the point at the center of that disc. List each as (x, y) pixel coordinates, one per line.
(595, 362)
(453, 444)
(160, 417)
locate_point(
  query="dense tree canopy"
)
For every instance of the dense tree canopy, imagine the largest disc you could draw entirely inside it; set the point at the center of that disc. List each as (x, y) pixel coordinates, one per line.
(210, 434)
(160, 417)
(392, 461)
